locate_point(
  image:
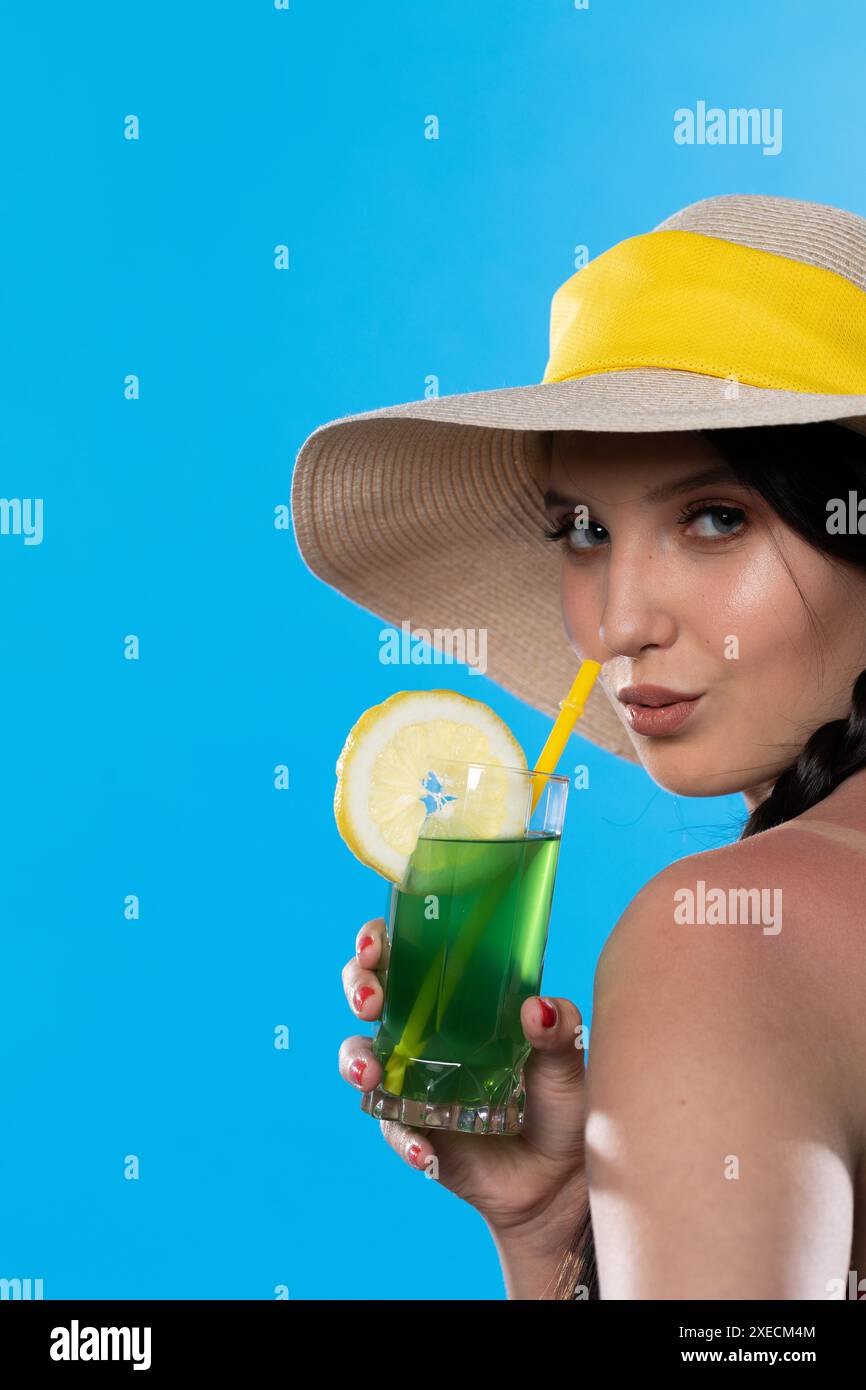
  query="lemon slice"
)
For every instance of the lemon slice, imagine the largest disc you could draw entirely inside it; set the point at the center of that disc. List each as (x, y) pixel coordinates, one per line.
(396, 778)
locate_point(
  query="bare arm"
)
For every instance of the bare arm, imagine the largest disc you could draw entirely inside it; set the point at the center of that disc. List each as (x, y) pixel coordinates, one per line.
(527, 1275)
(718, 1161)
(531, 1258)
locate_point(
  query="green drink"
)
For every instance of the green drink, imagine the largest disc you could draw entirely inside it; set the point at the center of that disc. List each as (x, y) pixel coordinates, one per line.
(467, 936)
(433, 792)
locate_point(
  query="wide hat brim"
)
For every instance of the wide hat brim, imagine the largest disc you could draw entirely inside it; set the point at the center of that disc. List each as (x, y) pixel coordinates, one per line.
(430, 512)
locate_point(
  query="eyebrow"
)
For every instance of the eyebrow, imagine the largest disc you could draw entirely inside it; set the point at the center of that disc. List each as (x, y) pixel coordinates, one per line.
(662, 492)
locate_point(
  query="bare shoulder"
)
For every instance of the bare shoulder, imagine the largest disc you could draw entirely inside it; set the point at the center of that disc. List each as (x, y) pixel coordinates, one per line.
(796, 892)
(769, 933)
(694, 904)
(716, 1054)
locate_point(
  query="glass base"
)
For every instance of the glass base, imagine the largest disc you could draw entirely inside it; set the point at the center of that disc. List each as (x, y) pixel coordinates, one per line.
(462, 1119)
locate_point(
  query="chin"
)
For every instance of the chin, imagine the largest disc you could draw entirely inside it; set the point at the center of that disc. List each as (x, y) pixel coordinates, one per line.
(687, 771)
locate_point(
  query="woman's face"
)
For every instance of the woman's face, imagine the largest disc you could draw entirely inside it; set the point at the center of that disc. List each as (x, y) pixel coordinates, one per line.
(700, 587)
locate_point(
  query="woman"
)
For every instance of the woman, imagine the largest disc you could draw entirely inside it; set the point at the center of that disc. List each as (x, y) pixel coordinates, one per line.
(703, 508)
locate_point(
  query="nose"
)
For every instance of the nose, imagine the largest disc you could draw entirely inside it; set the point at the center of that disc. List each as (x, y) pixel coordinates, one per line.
(634, 613)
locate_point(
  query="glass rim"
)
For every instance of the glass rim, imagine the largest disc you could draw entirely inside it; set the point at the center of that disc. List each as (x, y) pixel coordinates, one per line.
(502, 767)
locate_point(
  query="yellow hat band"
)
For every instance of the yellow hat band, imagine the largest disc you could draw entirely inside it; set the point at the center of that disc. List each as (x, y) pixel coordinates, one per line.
(698, 303)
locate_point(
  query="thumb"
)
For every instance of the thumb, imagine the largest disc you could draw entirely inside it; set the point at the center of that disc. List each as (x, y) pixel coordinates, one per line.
(554, 1075)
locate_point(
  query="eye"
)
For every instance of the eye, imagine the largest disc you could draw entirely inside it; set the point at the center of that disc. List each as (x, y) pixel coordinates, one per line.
(729, 520)
(716, 522)
(580, 536)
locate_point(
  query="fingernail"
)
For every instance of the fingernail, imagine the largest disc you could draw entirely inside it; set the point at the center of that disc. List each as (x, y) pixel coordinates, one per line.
(356, 1070)
(363, 943)
(361, 995)
(548, 1014)
(413, 1153)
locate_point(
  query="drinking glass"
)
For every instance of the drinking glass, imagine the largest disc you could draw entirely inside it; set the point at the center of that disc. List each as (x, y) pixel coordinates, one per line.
(467, 931)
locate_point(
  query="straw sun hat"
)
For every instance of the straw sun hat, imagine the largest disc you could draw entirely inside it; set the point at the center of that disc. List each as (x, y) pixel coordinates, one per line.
(737, 310)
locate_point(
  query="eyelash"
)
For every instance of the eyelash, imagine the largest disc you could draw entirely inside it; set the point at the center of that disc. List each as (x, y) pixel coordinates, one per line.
(688, 513)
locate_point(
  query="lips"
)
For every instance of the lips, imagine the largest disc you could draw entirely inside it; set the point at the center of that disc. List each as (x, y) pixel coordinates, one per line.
(654, 710)
(653, 695)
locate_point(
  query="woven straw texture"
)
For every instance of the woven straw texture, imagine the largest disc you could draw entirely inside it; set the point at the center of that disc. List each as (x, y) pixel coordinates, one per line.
(430, 511)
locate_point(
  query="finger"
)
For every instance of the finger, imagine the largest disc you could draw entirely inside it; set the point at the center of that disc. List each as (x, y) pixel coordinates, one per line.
(412, 1145)
(371, 944)
(363, 990)
(554, 1075)
(359, 1064)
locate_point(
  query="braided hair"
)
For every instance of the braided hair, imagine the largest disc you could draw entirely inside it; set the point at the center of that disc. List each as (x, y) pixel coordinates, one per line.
(798, 469)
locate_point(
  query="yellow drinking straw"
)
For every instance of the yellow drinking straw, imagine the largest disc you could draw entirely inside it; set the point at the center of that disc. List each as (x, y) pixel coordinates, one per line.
(419, 1019)
(569, 712)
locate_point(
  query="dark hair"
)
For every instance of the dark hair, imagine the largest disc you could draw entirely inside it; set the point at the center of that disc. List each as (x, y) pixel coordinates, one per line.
(798, 469)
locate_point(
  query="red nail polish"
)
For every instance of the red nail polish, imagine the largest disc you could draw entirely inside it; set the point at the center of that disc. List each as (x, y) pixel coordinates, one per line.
(363, 943)
(412, 1154)
(548, 1014)
(361, 995)
(356, 1070)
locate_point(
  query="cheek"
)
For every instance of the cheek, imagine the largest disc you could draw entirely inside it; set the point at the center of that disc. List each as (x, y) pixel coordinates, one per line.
(750, 623)
(581, 611)
(764, 609)
(748, 606)
(735, 608)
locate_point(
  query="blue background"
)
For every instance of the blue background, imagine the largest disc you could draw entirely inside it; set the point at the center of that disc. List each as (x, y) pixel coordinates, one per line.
(156, 777)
